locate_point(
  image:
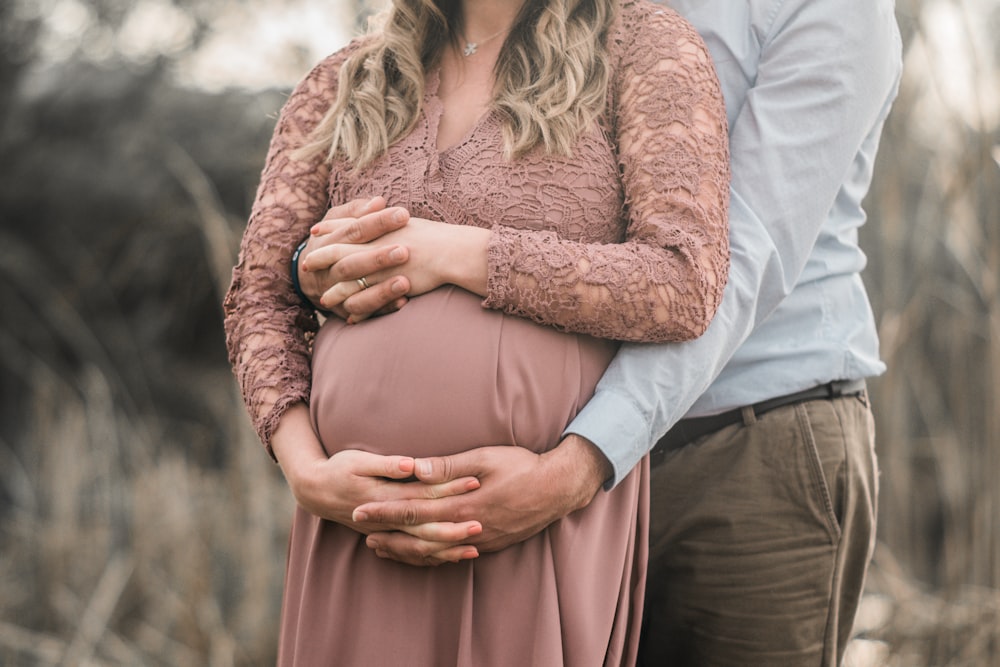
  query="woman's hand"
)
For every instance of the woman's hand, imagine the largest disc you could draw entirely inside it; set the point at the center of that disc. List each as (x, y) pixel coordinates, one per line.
(354, 224)
(332, 487)
(418, 257)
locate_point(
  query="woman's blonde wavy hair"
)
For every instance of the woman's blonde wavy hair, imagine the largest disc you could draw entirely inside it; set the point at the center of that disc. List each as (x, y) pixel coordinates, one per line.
(551, 77)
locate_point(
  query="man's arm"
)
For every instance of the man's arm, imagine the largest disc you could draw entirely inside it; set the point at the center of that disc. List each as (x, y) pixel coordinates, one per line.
(824, 83)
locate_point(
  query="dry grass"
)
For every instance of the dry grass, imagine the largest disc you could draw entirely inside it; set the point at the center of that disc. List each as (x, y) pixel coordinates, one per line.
(119, 549)
(911, 625)
(141, 522)
(934, 249)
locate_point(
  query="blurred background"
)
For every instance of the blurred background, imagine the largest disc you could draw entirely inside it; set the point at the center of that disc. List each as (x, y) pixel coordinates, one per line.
(141, 522)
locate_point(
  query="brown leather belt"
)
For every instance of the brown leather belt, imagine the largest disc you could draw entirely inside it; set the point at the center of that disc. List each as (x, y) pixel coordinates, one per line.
(689, 430)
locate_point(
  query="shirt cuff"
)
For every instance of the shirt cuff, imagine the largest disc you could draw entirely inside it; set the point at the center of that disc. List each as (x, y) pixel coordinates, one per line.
(618, 428)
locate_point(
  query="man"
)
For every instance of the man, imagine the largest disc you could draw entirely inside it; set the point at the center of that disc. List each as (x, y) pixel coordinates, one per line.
(763, 491)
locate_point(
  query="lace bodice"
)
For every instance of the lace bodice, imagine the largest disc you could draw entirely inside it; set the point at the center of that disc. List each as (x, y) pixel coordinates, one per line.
(626, 239)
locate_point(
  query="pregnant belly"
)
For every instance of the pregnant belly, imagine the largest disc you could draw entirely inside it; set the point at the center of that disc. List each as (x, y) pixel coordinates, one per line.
(444, 375)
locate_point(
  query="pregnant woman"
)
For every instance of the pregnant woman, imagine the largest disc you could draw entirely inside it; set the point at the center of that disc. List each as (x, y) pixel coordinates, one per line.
(564, 167)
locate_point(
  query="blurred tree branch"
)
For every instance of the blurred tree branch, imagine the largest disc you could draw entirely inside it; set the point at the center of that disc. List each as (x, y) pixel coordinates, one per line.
(17, 50)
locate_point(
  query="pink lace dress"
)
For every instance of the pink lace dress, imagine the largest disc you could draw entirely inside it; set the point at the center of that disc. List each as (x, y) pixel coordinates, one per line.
(625, 240)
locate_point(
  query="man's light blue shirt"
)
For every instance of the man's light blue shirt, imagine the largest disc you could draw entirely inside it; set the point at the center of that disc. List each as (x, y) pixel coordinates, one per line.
(808, 85)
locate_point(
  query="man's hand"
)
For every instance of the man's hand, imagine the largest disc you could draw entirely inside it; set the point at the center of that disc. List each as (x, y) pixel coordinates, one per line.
(520, 494)
(356, 223)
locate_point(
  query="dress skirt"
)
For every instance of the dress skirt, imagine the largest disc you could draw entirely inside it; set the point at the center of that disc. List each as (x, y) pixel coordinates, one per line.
(441, 376)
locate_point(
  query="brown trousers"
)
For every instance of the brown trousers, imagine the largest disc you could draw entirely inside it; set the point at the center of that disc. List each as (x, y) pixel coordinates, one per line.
(760, 536)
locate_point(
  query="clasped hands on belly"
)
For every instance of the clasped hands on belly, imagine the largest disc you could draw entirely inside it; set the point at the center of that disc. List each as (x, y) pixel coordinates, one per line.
(365, 259)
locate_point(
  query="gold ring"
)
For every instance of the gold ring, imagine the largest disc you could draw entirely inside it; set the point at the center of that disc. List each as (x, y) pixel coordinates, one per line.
(363, 283)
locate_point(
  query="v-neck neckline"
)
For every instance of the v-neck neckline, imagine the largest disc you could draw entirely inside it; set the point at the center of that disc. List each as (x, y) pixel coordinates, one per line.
(435, 109)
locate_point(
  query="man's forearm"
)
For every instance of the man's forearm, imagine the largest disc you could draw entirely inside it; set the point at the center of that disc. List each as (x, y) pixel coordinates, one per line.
(582, 465)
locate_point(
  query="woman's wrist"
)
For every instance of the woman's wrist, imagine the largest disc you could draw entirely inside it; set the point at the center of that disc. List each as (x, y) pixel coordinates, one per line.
(466, 263)
(296, 283)
(295, 445)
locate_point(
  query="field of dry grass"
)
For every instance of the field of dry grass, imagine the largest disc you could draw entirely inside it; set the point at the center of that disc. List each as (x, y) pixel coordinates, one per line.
(119, 549)
(142, 524)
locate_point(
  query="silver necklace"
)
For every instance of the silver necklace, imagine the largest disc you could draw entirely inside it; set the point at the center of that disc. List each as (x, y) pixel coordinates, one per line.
(472, 47)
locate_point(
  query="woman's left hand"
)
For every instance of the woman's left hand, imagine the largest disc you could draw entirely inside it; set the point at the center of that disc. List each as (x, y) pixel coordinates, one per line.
(424, 254)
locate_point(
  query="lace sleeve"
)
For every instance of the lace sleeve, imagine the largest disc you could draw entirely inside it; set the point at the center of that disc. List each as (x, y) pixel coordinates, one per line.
(266, 323)
(665, 281)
